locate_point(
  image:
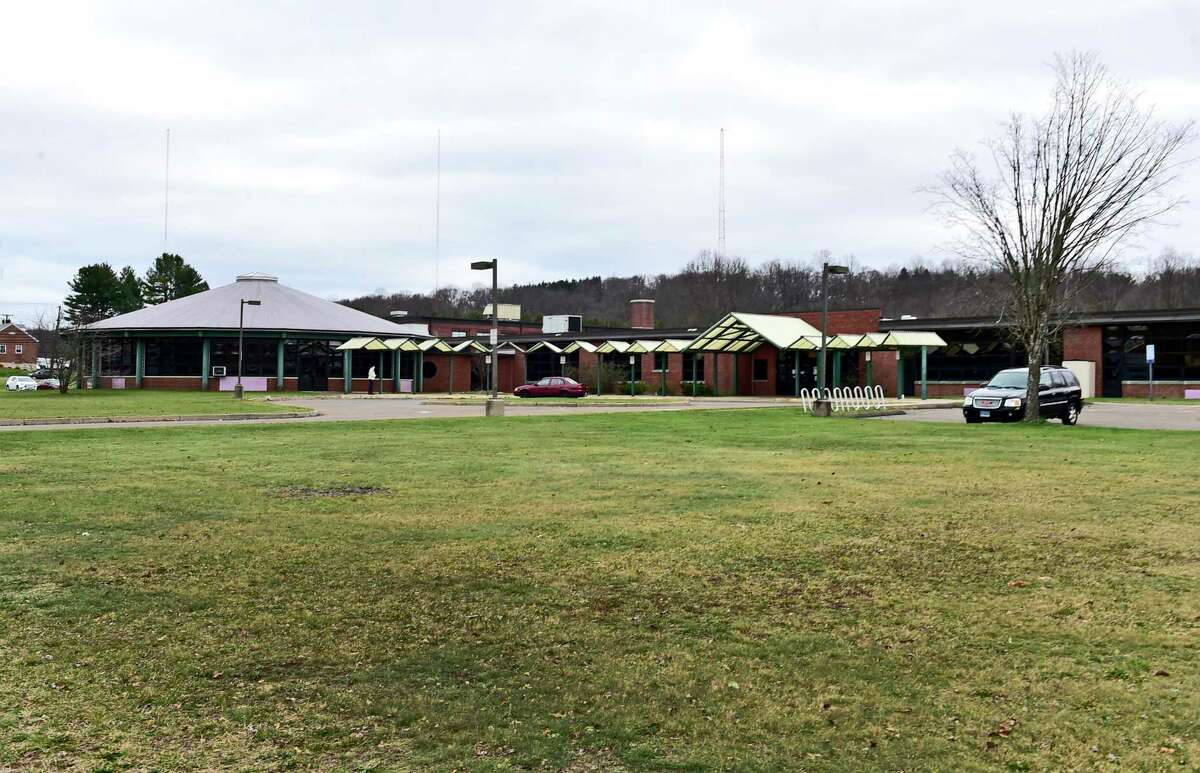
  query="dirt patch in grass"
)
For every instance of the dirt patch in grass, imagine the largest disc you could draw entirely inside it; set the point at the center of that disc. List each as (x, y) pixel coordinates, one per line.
(309, 492)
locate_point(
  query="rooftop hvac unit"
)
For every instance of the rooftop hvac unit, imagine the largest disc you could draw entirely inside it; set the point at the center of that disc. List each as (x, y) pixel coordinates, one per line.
(562, 323)
(507, 311)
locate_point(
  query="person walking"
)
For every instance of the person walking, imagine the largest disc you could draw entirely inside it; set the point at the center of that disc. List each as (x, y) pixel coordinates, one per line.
(371, 381)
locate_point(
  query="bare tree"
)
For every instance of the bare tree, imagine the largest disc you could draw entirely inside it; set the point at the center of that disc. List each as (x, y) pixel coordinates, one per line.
(1066, 192)
(61, 346)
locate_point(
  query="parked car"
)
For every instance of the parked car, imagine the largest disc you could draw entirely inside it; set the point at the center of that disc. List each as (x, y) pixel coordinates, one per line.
(21, 384)
(1003, 398)
(41, 374)
(553, 386)
(48, 383)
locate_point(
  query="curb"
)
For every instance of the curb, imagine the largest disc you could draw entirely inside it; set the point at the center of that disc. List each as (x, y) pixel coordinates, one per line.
(149, 419)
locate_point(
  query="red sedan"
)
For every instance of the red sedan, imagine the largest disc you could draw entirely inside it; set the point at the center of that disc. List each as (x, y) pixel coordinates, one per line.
(554, 386)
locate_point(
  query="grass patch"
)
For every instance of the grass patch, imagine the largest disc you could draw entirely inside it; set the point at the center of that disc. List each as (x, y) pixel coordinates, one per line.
(750, 590)
(52, 404)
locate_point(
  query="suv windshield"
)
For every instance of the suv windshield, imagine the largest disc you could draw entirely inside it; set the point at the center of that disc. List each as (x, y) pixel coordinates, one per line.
(1009, 379)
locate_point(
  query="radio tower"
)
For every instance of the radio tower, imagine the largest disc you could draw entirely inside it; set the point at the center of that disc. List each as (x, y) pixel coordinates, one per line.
(721, 202)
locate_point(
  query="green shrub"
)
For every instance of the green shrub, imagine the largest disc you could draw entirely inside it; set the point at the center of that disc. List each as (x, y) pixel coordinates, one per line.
(701, 389)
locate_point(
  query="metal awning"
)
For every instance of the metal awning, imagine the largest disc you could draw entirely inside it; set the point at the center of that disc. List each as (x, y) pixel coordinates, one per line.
(434, 344)
(913, 338)
(576, 346)
(642, 347)
(545, 345)
(402, 344)
(469, 346)
(611, 347)
(741, 332)
(369, 343)
(673, 345)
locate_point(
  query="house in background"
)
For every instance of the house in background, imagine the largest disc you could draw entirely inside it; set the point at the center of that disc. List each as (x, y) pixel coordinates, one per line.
(18, 349)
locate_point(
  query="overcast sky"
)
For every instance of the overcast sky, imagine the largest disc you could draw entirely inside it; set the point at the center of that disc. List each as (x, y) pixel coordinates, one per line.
(578, 138)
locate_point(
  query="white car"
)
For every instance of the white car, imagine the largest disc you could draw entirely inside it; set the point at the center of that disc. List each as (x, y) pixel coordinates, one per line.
(21, 384)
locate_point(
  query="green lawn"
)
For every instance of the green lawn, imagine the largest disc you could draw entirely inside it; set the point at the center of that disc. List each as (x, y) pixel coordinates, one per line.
(749, 590)
(45, 404)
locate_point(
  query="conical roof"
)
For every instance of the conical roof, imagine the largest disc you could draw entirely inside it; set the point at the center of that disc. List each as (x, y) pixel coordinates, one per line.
(282, 309)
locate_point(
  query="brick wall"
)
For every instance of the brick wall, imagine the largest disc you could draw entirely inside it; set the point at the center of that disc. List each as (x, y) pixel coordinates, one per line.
(1173, 390)
(852, 321)
(1086, 343)
(883, 370)
(12, 336)
(641, 314)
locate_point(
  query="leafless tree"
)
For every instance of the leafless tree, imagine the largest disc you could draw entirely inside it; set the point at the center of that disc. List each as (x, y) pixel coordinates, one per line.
(61, 345)
(1062, 195)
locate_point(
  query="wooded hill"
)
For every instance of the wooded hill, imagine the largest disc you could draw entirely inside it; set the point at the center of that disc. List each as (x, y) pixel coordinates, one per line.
(710, 286)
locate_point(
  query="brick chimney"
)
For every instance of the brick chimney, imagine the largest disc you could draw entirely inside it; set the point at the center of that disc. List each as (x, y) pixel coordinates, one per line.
(641, 314)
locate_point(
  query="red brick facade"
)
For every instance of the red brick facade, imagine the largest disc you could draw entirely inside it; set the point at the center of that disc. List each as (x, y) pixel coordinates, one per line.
(641, 314)
(14, 338)
(1087, 344)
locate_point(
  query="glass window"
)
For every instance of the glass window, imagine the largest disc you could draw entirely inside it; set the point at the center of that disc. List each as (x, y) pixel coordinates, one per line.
(181, 356)
(429, 370)
(693, 366)
(3, 349)
(20, 349)
(760, 370)
(660, 361)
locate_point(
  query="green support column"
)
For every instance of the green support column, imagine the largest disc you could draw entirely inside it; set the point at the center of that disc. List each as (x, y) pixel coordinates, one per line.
(870, 374)
(95, 364)
(924, 372)
(379, 381)
(524, 368)
(899, 373)
(837, 370)
(736, 386)
(631, 377)
(395, 370)
(347, 363)
(205, 362)
(450, 357)
(693, 374)
(139, 362)
(599, 381)
(662, 380)
(418, 371)
(279, 364)
(796, 373)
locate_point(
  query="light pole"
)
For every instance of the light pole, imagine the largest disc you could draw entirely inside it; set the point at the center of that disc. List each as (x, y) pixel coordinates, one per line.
(237, 389)
(826, 270)
(486, 265)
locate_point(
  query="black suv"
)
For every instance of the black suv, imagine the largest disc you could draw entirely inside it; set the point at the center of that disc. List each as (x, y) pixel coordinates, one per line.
(1003, 398)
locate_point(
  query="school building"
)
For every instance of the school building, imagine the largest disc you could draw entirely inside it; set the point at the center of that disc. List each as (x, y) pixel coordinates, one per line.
(293, 341)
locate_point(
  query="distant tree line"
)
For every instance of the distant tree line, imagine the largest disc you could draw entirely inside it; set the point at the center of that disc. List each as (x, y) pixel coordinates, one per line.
(711, 285)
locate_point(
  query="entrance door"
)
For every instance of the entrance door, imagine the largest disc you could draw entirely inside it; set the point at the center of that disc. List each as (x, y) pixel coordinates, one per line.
(313, 366)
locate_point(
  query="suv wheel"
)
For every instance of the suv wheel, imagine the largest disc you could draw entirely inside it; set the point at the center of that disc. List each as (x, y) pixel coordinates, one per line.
(1072, 415)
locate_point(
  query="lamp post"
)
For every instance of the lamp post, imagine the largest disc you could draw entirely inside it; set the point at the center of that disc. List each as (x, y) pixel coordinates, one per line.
(237, 389)
(493, 405)
(826, 270)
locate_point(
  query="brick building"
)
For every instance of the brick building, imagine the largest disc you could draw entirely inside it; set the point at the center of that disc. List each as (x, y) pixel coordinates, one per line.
(18, 348)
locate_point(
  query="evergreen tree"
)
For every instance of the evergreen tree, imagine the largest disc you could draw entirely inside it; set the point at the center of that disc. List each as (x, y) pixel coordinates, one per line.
(130, 298)
(96, 294)
(171, 277)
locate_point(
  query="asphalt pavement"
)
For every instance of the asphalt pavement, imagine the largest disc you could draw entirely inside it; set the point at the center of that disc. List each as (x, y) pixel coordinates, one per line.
(1121, 415)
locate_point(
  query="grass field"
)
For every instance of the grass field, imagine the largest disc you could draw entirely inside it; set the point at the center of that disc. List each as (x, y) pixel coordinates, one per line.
(45, 404)
(749, 590)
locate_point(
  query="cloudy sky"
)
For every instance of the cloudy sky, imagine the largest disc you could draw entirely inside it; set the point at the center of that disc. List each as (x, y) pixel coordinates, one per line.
(578, 138)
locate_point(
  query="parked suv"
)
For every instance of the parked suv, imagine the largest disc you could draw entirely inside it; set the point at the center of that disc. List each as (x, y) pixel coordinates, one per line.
(1003, 398)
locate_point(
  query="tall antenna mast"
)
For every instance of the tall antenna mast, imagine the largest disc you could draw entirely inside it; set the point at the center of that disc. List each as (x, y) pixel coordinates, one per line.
(166, 190)
(721, 202)
(437, 221)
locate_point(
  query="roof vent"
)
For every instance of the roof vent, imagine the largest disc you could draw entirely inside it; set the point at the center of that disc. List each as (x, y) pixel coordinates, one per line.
(257, 277)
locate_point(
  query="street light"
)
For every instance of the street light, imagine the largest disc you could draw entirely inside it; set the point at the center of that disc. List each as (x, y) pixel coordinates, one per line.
(826, 270)
(486, 265)
(237, 389)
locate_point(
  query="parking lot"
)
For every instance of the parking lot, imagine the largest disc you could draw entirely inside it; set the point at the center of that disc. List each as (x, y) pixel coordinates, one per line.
(1122, 415)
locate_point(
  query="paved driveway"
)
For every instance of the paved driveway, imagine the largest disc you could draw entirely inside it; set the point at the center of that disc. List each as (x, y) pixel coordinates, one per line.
(1124, 415)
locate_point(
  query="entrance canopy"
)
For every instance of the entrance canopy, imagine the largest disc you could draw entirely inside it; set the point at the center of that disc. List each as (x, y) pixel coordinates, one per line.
(741, 332)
